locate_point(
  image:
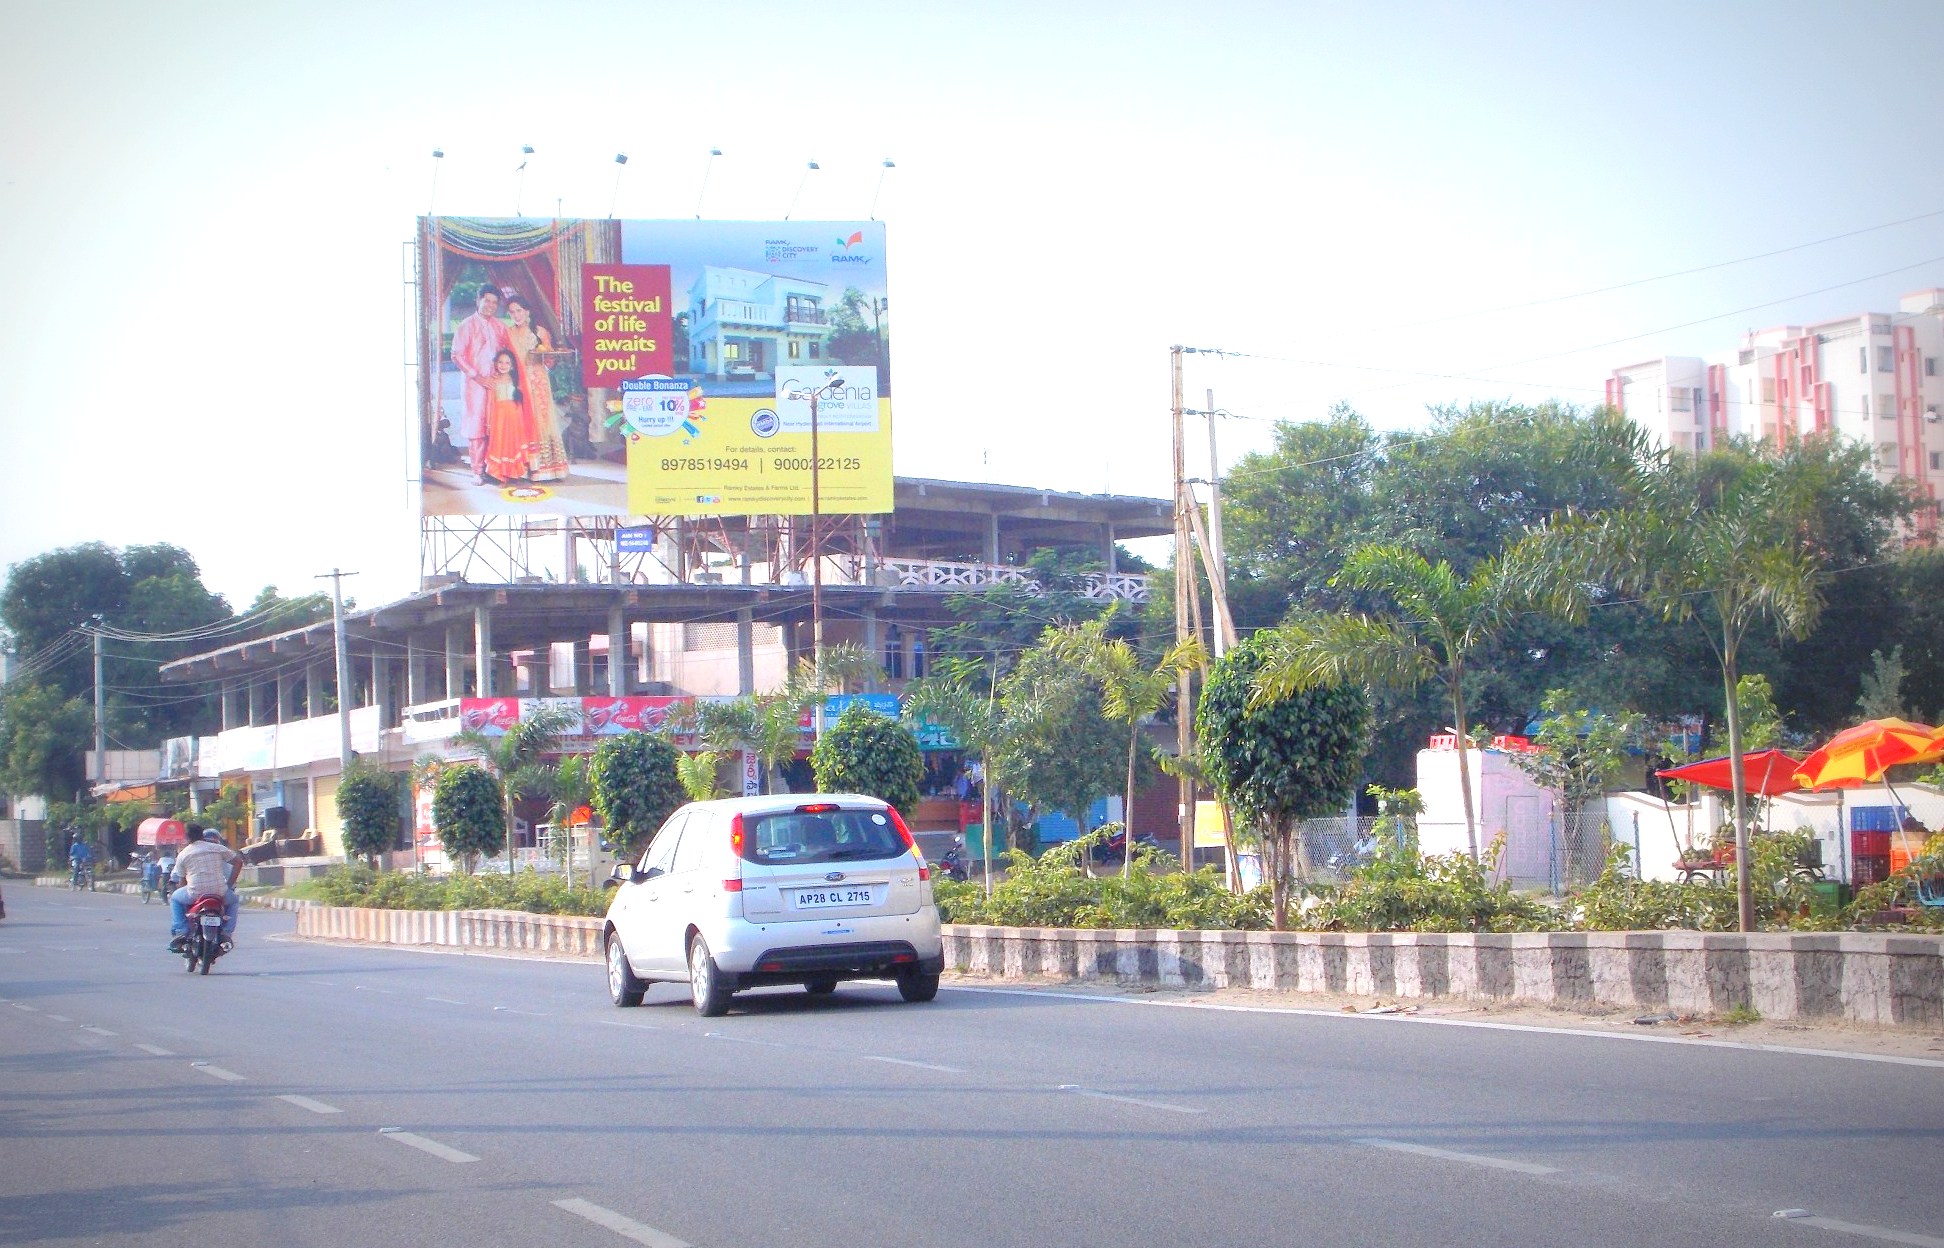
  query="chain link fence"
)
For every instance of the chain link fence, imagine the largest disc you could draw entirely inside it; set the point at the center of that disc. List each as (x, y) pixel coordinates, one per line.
(1551, 856)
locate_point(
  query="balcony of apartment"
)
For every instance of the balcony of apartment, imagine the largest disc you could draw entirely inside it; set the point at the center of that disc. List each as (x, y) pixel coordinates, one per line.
(741, 312)
(945, 576)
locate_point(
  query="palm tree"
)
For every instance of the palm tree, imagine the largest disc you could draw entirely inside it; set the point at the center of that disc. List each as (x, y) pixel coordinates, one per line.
(1131, 692)
(1439, 620)
(697, 773)
(519, 759)
(1722, 546)
(951, 700)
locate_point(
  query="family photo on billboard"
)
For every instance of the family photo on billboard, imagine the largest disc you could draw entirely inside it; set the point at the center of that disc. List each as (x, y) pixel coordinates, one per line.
(541, 340)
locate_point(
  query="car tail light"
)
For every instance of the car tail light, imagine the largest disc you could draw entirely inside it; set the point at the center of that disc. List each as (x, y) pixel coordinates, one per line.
(904, 957)
(736, 835)
(818, 808)
(897, 821)
(924, 872)
(732, 886)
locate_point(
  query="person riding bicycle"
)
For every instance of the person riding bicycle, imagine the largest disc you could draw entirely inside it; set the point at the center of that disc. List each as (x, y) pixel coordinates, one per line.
(201, 867)
(80, 860)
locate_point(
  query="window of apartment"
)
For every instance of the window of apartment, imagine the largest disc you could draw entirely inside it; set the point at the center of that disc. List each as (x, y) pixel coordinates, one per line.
(732, 350)
(1886, 407)
(1862, 359)
(1865, 401)
(816, 353)
(1937, 461)
(1768, 389)
(1886, 360)
(796, 349)
(1887, 455)
(1679, 401)
(1930, 366)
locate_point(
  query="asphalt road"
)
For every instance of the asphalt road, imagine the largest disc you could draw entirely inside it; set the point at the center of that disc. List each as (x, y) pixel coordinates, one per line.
(308, 1094)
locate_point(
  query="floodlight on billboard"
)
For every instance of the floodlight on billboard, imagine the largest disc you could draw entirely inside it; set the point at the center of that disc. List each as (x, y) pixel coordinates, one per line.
(652, 367)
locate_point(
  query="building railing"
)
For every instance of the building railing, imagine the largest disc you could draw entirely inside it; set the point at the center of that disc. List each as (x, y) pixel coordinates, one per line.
(940, 574)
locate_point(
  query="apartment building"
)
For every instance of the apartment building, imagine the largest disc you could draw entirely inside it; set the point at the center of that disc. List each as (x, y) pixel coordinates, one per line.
(1873, 378)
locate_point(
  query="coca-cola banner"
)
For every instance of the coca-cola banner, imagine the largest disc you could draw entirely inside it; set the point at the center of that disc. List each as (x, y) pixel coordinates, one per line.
(586, 717)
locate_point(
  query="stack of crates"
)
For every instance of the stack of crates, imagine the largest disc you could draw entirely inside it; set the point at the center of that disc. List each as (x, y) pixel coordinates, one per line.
(1870, 829)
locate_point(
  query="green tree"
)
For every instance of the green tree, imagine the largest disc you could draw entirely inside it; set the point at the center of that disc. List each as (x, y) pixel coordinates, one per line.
(469, 809)
(367, 802)
(1279, 758)
(871, 754)
(697, 774)
(518, 757)
(637, 786)
(1131, 692)
(1436, 621)
(1055, 745)
(1724, 541)
(44, 738)
(1882, 696)
(952, 700)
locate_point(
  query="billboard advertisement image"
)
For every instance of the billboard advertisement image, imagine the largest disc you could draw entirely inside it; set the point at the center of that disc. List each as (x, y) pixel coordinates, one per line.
(573, 367)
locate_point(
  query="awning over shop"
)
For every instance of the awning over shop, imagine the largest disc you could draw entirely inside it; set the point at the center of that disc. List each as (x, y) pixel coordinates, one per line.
(161, 832)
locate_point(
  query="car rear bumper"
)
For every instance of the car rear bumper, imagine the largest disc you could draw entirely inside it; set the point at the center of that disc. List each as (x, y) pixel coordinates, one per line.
(877, 959)
(864, 948)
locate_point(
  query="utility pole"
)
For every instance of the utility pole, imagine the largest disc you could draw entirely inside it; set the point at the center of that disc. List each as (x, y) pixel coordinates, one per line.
(1184, 571)
(1225, 638)
(100, 710)
(816, 559)
(343, 668)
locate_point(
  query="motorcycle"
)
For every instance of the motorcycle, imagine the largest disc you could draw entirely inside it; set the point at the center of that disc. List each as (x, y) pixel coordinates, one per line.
(951, 864)
(204, 942)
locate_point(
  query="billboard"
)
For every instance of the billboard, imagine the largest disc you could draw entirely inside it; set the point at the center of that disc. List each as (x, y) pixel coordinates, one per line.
(574, 367)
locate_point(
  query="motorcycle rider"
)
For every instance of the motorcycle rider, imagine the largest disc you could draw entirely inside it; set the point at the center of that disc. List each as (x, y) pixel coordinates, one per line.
(80, 858)
(200, 867)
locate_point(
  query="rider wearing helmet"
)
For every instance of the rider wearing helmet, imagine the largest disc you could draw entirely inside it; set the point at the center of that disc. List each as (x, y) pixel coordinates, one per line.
(201, 867)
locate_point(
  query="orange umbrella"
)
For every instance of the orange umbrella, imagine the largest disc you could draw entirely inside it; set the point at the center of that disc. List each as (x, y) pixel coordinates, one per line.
(1860, 755)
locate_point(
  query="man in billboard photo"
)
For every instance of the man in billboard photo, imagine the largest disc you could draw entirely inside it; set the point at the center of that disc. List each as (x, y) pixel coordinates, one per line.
(479, 338)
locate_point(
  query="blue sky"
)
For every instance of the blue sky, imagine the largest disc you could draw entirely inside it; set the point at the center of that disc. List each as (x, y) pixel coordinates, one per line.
(207, 208)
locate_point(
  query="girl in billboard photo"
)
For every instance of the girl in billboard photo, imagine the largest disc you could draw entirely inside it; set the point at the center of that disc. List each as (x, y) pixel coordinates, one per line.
(509, 436)
(549, 459)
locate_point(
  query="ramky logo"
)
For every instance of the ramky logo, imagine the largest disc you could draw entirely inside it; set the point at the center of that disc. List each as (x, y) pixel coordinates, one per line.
(852, 241)
(844, 256)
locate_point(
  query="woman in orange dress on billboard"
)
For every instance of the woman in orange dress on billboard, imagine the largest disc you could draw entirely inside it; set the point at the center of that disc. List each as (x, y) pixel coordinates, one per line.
(549, 449)
(509, 435)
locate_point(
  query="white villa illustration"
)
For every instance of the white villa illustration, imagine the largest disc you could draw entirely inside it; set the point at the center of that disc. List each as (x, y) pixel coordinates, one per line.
(744, 324)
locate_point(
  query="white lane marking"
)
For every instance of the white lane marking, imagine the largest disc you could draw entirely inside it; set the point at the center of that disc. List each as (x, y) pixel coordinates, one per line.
(507, 1009)
(316, 1107)
(22, 1005)
(1884, 1233)
(99, 1031)
(218, 1072)
(767, 1044)
(155, 1050)
(626, 1228)
(59, 1018)
(362, 988)
(1419, 1020)
(1077, 1090)
(902, 1061)
(631, 1026)
(424, 1145)
(445, 1000)
(1473, 1159)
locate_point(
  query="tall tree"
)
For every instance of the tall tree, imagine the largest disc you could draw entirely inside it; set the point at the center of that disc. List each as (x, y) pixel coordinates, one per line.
(869, 753)
(1726, 541)
(1279, 759)
(1435, 622)
(1056, 747)
(1132, 692)
(518, 758)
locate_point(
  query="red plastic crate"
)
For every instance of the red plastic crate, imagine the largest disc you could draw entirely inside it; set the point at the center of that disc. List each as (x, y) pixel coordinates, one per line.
(1869, 869)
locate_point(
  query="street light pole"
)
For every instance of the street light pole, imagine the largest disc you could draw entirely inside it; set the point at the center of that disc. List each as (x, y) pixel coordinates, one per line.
(816, 555)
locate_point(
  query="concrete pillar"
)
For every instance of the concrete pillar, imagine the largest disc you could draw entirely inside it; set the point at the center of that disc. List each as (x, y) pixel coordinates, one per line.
(415, 673)
(483, 650)
(992, 538)
(226, 698)
(254, 693)
(871, 644)
(455, 661)
(617, 631)
(283, 696)
(746, 650)
(314, 691)
(1113, 557)
(383, 693)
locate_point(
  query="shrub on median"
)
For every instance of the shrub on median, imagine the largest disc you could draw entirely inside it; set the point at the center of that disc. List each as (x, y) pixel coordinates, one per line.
(530, 891)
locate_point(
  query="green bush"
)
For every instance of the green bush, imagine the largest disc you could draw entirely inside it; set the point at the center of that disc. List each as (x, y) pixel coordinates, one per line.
(1055, 891)
(531, 891)
(1405, 892)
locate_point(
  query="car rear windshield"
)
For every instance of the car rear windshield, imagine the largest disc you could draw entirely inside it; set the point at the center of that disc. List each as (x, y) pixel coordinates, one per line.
(821, 836)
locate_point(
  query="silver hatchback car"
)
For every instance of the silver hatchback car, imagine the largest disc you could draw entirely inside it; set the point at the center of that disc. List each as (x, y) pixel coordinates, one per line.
(795, 888)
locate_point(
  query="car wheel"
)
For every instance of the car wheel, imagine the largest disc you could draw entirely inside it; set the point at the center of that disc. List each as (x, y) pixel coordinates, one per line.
(821, 987)
(917, 986)
(705, 982)
(624, 986)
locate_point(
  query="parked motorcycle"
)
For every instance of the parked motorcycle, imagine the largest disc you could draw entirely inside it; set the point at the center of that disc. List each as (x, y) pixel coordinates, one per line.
(951, 864)
(204, 942)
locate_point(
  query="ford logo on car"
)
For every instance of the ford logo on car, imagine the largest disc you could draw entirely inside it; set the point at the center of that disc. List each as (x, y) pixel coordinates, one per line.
(834, 876)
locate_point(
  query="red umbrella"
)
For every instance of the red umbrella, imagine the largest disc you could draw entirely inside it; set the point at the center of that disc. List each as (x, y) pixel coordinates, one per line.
(1765, 772)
